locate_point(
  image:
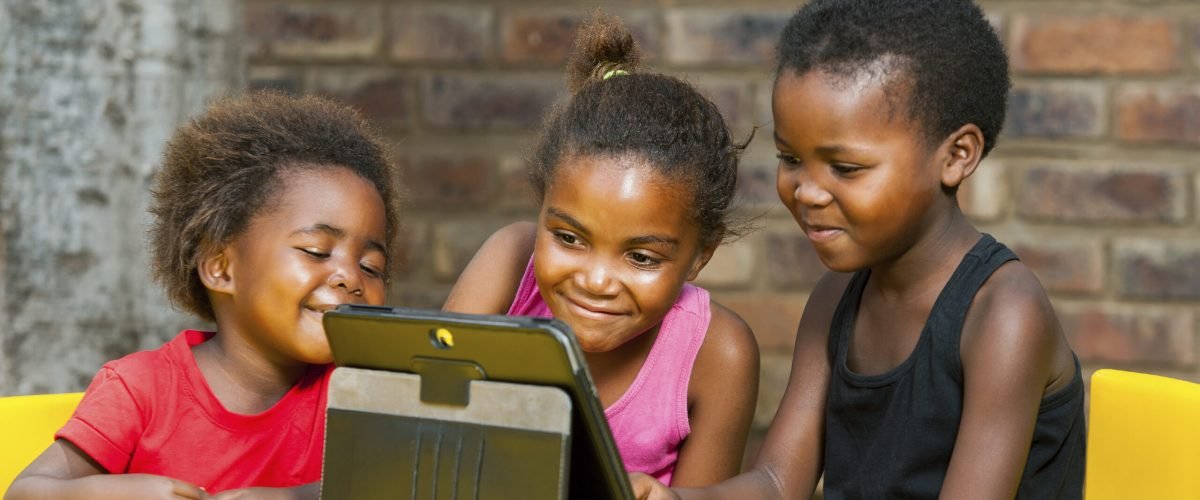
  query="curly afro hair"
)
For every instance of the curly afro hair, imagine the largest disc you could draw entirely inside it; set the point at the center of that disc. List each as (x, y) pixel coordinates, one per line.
(224, 166)
(616, 109)
(945, 51)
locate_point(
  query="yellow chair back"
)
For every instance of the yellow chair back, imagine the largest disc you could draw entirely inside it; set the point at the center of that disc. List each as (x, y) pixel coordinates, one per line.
(27, 427)
(1143, 437)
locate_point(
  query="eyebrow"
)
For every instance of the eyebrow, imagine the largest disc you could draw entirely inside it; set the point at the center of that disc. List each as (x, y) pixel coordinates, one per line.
(637, 240)
(654, 239)
(337, 232)
(567, 218)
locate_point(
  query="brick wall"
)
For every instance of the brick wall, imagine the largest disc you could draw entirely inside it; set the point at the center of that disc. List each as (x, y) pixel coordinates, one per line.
(1094, 183)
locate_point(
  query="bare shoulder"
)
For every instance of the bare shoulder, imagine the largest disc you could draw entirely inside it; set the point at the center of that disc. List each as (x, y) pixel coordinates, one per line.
(822, 303)
(1011, 304)
(489, 282)
(729, 342)
(1012, 323)
(516, 239)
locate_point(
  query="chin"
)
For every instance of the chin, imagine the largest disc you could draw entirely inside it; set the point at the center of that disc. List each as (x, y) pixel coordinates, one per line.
(840, 265)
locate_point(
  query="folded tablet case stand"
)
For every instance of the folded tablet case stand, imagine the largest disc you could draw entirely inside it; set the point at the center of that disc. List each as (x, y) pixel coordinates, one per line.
(444, 434)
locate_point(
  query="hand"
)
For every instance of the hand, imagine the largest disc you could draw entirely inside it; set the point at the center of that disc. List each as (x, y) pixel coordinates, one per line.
(648, 488)
(141, 486)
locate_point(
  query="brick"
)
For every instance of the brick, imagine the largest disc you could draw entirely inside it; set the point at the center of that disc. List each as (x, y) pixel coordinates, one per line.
(1064, 266)
(1067, 194)
(703, 35)
(449, 181)
(411, 247)
(1056, 110)
(455, 241)
(287, 80)
(492, 101)
(775, 367)
(547, 37)
(772, 316)
(515, 191)
(439, 32)
(763, 116)
(419, 295)
(339, 31)
(1095, 44)
(1119, 334)
(756, 184)
(381, 95)
(984, 196)
(1195, 32)
(1157, 269)
(792, 262)
(731, 266)
(731, 98)
(1155, 114)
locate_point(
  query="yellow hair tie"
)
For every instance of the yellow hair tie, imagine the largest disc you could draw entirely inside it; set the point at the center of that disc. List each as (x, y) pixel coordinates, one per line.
(614, 72)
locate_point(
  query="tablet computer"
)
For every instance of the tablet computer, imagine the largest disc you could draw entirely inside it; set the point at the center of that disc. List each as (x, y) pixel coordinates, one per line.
(447, 351)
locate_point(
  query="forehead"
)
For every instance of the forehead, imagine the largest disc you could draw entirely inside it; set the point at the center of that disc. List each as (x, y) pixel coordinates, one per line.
(306, 195)
(868, 105)
(621, 194)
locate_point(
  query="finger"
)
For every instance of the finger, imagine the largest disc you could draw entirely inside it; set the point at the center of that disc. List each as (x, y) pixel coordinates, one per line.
(184, 489)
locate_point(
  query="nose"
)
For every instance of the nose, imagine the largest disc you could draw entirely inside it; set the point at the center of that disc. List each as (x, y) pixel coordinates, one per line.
(804, 188)
(597, 278)
(347, 277)
(812, 194)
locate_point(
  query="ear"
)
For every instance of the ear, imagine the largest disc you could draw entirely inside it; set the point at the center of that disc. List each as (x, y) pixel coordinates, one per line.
(706, 254)
(216, 270)
(963, 151)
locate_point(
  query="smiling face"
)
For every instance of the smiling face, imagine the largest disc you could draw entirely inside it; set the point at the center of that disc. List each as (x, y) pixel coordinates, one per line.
(319, 244)
(615, 244)
(854, 170)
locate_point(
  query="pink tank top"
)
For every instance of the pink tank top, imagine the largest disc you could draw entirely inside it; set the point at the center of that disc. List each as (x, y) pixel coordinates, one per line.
(650, 420)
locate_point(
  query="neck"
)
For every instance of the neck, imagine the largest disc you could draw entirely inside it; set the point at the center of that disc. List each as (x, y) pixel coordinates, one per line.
(629, 356)
(924, 265)
(242, 377)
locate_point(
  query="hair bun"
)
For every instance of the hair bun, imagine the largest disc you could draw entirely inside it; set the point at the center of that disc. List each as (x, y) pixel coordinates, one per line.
(602, 44)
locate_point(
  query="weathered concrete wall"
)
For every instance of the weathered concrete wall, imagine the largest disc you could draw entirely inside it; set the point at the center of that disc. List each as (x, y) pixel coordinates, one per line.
(90, 90)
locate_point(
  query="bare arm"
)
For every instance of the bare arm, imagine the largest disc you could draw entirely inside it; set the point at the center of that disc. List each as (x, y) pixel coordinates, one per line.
(489, 282)
(1009, 346)
(790, 462)
(307, 491)
(63, 471)
(722, 392)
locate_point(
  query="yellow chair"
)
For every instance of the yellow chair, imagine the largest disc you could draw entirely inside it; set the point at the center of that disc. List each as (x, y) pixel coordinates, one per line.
(1143, 437)
(27, 427)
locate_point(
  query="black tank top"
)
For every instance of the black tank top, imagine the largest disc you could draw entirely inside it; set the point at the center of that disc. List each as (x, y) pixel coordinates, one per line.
(891, 435)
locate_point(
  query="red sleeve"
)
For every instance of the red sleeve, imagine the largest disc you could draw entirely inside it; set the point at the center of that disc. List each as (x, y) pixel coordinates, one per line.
(108, 422)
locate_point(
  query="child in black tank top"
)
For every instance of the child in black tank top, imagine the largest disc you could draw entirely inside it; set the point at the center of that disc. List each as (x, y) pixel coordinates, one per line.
(930, 362)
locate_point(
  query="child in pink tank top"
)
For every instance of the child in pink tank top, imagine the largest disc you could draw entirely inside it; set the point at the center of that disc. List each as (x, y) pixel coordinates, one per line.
(634, 172)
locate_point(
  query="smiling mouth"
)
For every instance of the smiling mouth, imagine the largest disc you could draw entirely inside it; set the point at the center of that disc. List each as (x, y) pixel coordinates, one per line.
(321, 309)
(821, 234)
(589, 311)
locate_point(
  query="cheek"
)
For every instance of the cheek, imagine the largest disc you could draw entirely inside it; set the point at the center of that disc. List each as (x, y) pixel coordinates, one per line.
(552, 263)
(785, 186)
(375, 293)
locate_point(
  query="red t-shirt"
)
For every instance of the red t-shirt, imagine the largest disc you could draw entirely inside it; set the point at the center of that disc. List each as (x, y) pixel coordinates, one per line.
(152, 412)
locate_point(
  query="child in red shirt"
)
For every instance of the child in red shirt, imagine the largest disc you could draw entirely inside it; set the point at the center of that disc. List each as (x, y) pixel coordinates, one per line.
(269, 211)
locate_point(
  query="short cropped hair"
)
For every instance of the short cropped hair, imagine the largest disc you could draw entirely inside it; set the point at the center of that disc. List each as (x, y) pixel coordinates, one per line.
(946, 51)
